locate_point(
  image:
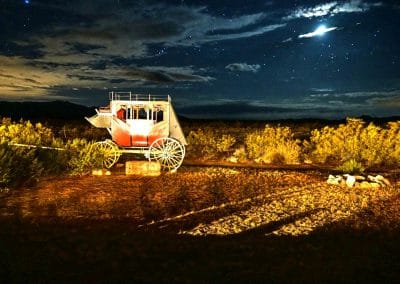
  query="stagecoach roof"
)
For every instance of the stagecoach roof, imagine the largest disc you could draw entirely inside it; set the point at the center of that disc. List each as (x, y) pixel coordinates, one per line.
(138, 98)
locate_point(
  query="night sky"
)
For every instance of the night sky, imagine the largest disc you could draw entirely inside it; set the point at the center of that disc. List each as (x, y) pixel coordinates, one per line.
(217, 59)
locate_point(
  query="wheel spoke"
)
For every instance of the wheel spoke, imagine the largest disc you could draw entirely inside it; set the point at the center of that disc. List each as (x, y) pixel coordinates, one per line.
(168, 152)
(109, 151)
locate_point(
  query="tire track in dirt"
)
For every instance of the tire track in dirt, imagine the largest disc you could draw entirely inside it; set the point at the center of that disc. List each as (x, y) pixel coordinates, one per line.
(299, 213)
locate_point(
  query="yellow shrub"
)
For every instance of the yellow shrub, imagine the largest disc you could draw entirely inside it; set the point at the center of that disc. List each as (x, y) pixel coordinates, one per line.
(25, 132)
(208, 144)
(273, 145)
(370, 145)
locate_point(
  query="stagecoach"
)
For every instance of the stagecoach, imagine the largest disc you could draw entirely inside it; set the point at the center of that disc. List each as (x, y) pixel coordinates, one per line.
(140, 124)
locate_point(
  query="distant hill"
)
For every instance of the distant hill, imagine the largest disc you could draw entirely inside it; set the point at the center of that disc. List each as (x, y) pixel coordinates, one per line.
(67, 111)
(55, 110)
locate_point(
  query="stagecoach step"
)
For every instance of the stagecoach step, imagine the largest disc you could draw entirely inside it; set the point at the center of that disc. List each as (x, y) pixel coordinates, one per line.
(143, 168)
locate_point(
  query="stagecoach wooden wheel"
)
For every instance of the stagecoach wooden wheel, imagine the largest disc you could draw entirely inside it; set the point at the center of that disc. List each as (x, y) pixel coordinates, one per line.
(108, 151)
(168, 152)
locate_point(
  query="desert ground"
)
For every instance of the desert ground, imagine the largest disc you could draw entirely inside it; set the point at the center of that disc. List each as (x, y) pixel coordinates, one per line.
(201, 224)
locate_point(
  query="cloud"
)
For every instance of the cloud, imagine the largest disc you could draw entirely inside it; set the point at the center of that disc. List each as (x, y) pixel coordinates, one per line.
(129, 32)
(363, 101)
(332, 8)
(287, 40)
(367, 94)
(253, 109)
(392, 102)
(243, 67)
(21, 78)
(99, 43)
(162, 74)
(233, 36)
(321, 90)
(321, 30)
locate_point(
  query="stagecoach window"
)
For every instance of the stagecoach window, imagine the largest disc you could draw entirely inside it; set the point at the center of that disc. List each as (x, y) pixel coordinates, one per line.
(158, 115)
(142, 113)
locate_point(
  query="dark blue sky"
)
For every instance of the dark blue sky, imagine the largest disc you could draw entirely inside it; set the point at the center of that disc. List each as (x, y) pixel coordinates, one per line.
(217, 59)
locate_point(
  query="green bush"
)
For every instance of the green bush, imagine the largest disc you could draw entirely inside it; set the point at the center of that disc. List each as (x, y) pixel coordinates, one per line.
(369, 145)
(18, 166)
(273, 145)
(29, 151)
(82, 157)
(351, 167)
(25, 132)
(208, 144)
(26, 135)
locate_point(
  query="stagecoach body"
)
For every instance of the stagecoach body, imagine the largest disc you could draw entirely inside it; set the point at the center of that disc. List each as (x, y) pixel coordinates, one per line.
(141, 124)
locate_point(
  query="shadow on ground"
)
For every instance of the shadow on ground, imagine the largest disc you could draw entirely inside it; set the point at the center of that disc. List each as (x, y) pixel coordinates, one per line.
(113, 251)
(100, 230)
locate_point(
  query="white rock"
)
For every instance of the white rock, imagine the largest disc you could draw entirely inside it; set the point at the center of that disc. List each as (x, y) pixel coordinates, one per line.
(334, 180)
(383, 180)
(350, 180)
(359, 178)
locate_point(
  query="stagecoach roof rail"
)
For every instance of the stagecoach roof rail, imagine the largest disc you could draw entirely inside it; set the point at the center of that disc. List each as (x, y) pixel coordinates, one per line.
(129, 96)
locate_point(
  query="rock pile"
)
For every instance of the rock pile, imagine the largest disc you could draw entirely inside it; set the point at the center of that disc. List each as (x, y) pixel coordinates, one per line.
(358, 181)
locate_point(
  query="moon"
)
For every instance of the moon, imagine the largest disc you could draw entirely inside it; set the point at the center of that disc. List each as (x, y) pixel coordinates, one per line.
(320, 31)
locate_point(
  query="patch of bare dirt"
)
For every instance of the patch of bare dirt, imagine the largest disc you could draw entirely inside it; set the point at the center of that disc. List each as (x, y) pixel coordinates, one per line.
(202, 201)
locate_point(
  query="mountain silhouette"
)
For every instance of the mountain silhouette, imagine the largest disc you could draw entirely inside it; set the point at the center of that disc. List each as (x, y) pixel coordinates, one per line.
(57, 110)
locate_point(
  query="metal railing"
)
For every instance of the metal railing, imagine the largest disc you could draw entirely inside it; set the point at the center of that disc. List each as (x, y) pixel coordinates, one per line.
(129, 96)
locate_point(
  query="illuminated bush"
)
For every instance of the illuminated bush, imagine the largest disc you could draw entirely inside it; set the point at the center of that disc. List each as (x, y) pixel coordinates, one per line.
(24, 164)
(82, 158)
(209, 144)
(273, 145)
(28, 134)
(25, 132)
(369, 145)
(392, 143)
(351, 167)
(18, 166)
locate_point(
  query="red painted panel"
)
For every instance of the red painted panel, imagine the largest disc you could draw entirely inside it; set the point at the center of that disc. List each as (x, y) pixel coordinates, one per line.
(154, 136)
(139, 140)
(121, 136)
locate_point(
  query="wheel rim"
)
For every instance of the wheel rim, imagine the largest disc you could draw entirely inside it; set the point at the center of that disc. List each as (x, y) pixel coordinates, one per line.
(168, 152)
(109, 152)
